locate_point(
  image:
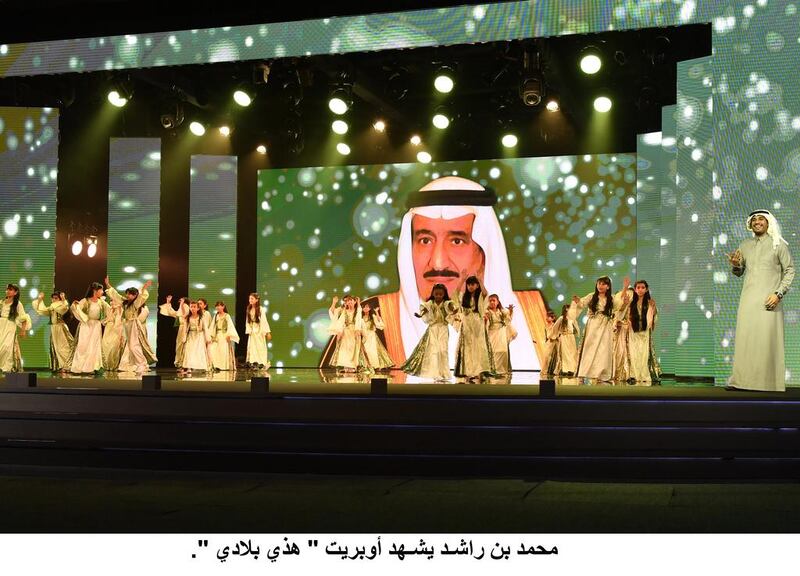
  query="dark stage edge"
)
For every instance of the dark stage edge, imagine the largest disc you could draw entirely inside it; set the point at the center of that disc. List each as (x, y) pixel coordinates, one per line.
(305, 424)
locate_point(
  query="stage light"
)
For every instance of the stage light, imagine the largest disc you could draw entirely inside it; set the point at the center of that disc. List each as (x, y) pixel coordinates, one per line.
(91, 246)
(115, 99)
(243, 96)
(590, 61)
(120, 91)
(509, 140)
(424, 157)
(532, 90)
(261, 149)
(340, 127)
(380, 126)
(415, 140)
(197, 128)
(602, 103)
(77, 248)
(225, 130)
(343, 149)
(172, 117)
(553, 106)
(340, 101)
(441, 119)
(444, 82)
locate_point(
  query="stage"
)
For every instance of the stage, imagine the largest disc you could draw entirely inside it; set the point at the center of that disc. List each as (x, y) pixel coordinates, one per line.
(307, 421)
(314, 381)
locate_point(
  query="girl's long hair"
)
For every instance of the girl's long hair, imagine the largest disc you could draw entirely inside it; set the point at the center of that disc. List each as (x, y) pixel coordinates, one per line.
(640, 324)
(439, 287)
(221, 303)
(371, 311)
(128, 303)
(471, 299)
(609, 307)
(256, 307)
(12, 314)
(94, 286)
(189, 308)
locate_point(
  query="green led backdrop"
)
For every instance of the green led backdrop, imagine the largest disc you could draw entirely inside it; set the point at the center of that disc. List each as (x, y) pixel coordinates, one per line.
(28, 175)
(694, 213)
(747, 136)
(212, 230)
(134, 206)
(652, 161)
(329, 231)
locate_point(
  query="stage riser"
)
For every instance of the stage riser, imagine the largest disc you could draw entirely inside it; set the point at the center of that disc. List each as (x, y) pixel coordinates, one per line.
(570, 438)
(402, 410)
(625, 469)
(489, 442)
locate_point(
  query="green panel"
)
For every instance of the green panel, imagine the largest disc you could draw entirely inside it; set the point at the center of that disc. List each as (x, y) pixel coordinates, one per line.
(212, 230)
(28, 176)
(670, 326)
(134, 202)
(652, 163)
(695, 222)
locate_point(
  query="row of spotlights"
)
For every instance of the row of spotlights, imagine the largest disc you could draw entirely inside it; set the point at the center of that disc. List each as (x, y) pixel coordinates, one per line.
(91, 246)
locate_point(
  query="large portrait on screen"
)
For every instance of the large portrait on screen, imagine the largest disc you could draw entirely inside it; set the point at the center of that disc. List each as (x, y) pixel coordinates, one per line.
(450, 230)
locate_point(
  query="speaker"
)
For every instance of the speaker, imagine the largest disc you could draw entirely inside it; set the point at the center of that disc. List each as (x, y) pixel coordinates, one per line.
(259, 385)
(151, 382)
(547, 388)
(379, 386)
(21, 380)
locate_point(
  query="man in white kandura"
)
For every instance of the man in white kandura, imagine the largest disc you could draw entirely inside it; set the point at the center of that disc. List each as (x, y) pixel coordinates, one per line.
(765, 262)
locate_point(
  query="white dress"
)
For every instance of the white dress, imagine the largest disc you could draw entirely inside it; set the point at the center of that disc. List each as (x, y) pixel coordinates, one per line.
(474, 356)
(88, 355)
(10, 355)
(223, 338)
(375, 351)
(430, 356)
(347, 326)
(596, 359)
(136, 355)
(621, 352)
(501, 333)
(113, 337)
(195, 354)
(563, 334)
(179, 315)
(758, 357)
(62, 344)
(257, 342)
(641, 352)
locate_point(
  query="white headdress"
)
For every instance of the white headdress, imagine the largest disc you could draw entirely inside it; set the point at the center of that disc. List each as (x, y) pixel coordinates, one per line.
(449, 197)
(774, 229)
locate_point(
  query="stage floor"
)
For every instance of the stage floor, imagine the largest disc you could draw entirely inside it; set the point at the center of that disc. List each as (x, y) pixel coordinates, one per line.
(328, 381)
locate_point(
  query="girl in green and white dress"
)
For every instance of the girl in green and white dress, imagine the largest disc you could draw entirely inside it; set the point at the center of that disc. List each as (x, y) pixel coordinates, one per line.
(12, 319)
(223, 338)
(62, 344)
